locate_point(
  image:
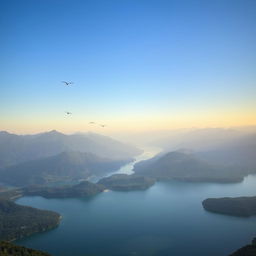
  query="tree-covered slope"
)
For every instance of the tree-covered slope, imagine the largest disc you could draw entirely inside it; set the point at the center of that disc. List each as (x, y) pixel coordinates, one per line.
(18, 221)
(126, 182)
(82, 189)
(9, 249)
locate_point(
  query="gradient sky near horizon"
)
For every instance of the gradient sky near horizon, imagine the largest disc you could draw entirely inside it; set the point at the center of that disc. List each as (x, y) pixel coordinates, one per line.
(136, 64)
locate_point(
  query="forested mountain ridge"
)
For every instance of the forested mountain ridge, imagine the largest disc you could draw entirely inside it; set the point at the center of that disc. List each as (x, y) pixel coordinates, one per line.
(17, 221)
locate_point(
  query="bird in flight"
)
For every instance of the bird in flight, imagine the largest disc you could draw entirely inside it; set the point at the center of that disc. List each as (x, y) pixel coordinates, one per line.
(68, 113)
(67, 83)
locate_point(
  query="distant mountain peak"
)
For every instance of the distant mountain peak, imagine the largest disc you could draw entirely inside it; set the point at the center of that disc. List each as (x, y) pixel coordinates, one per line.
(52, 133)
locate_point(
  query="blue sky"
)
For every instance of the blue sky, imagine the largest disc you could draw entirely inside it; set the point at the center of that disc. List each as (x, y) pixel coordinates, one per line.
(137, 64)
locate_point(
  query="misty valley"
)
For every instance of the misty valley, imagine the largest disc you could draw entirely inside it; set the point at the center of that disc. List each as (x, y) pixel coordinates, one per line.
(191, 193)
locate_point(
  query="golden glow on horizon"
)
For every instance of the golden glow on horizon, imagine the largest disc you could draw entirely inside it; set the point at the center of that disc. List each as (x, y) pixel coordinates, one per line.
(189, 119)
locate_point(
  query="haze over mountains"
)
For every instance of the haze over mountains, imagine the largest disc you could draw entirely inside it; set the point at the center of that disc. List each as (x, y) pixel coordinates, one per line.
(55, 157)
(16, 149)
(201, 139)
(64, 167)
(240, 151)
(216, 155)
(215, 145)
(55, 165)
(186, 167)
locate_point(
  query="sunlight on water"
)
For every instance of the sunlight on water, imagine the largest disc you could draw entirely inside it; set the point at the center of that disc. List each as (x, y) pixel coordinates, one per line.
(148, 153)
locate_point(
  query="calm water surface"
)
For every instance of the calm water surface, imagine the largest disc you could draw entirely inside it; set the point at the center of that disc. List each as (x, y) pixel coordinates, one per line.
(165, 220)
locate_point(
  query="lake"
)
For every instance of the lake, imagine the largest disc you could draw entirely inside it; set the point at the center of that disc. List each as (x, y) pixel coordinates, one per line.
(166, 220)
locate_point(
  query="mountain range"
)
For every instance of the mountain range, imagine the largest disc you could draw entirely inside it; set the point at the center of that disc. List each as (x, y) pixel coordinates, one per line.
(16, 149)
(221, 155)
(66, 167)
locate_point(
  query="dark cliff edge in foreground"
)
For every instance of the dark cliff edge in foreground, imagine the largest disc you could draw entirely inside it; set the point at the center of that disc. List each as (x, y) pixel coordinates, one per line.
(235, 206)
(248, 250)
(17, 221)
(9, 249)
(124, 182)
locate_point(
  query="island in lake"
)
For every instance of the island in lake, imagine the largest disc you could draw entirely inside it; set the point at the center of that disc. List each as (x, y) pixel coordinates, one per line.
(17, 221)
(9, 249)
(124, 182)
(235, 206)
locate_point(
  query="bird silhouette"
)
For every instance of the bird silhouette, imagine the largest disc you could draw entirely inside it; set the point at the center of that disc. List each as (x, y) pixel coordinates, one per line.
(67, 83)
(68, 113)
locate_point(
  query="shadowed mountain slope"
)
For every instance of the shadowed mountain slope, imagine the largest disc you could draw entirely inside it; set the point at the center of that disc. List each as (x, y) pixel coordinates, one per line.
(64, 167)
(186, 167)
